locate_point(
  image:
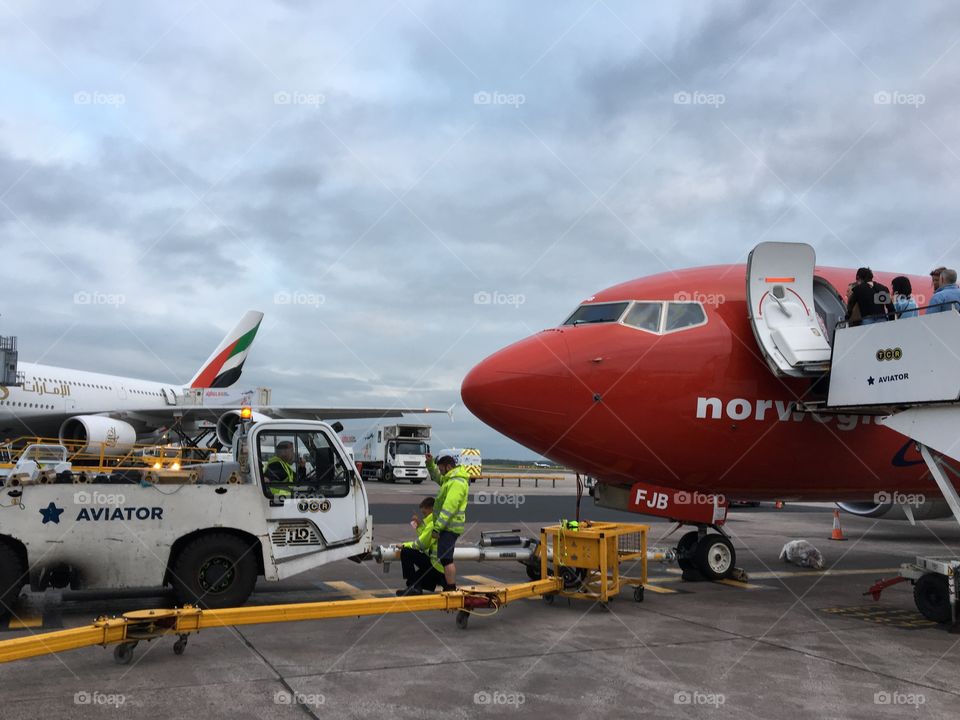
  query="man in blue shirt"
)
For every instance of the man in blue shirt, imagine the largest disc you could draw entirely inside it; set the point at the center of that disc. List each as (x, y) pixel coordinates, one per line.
(948, 296)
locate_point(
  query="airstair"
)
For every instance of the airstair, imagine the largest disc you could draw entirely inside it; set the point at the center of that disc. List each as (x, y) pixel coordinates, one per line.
(9, 374)
(906, 372)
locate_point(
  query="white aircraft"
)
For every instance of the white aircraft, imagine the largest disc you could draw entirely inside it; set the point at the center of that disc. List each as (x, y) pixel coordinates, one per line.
(97, 410)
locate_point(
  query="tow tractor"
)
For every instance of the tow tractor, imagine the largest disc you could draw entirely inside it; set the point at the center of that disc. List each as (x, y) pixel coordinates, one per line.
(579, 561)
(210, 529)
(207, 529)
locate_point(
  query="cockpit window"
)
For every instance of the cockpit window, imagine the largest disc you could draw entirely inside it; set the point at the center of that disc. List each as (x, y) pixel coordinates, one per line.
(597, 313)
(683, 315)
(644, 315)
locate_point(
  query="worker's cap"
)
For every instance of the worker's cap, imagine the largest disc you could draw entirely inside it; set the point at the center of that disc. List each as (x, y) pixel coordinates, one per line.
(936, 271)
(446, 460)
(284, 444)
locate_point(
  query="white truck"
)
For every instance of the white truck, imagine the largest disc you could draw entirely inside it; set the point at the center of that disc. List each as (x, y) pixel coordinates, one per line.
(395, 451)
(209, 530)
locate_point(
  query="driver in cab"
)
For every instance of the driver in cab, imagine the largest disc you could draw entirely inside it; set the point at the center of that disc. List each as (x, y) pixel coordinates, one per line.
(279, 470)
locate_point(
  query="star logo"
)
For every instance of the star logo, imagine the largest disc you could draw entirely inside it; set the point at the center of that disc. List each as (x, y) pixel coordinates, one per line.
(870, 380)
(51, 513)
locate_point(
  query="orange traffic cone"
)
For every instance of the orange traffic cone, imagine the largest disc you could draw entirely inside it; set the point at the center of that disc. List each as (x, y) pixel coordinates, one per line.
(837, 533)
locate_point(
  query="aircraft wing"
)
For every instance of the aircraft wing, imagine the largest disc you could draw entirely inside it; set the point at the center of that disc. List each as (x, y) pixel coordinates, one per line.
(342, 413)
(159, 417)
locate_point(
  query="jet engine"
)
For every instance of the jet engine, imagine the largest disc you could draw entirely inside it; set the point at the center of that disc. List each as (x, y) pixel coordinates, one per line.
(890, 510)
(96, 432)
(228, 422)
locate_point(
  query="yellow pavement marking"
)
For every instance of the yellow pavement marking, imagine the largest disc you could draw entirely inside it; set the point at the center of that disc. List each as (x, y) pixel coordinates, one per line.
(800, 573)
(664, 579)
(742, 585)
(661, 590)
(483, 580)
(351, 591)
(27, 621)
(792, 573)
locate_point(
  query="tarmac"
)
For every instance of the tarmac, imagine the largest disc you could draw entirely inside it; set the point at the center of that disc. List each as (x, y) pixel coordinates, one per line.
(789, 643)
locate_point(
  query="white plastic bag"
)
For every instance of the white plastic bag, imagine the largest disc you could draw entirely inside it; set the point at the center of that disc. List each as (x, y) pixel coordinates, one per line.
(802, 553)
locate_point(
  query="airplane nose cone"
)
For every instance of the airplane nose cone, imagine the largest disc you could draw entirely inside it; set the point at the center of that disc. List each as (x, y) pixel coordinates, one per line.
(524, 390)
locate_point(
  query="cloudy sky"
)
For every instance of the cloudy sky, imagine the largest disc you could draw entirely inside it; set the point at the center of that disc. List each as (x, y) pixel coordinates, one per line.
(361, 171)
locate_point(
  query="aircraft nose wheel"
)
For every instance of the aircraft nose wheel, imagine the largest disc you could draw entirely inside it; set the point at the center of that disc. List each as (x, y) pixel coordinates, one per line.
(712, 556)
(715, 557)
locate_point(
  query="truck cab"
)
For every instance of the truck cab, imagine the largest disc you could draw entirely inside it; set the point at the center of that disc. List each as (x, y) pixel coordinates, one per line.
(208, 530)
(395, 451)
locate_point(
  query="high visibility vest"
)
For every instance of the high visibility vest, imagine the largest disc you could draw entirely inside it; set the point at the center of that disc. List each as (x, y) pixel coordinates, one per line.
(288, 471)
(425, 542)
(450, 508)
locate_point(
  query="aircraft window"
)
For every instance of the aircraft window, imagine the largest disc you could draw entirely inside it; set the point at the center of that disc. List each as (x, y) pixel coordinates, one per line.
(644, 315)
(684, 315)
(597, 313)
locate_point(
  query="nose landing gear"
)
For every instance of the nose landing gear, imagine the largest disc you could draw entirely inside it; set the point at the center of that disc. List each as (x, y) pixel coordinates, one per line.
(706, 555)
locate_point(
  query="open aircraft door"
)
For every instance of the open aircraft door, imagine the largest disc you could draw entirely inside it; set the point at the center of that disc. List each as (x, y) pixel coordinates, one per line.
(780, 305)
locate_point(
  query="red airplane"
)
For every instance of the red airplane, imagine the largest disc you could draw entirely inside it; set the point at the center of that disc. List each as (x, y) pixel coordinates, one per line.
(670, 388)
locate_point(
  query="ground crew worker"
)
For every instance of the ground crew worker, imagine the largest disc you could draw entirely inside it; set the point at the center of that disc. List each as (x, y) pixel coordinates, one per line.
(449, 511)
(418, 558)
(279, 470)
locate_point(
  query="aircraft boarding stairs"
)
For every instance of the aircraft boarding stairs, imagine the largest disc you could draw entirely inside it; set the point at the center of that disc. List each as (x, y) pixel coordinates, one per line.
(908, 372)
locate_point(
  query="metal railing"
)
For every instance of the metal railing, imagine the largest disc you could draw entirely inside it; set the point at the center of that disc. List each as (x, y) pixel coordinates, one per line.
(139, 456)
(503, 477)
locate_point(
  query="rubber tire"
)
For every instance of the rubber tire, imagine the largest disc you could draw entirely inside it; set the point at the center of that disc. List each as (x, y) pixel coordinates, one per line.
(709, 546)
(533, 571)
(931, 593)
(686, 545)
(123, 653)
(186, 567)
(11, 578)
(463, 618)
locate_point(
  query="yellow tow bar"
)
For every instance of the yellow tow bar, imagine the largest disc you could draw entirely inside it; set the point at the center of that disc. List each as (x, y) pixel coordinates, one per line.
(585, 565)
(132, 627)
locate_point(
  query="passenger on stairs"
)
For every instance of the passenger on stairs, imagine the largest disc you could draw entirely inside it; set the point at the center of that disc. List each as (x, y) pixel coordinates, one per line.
(903, 303)
(948, 296)
(935, 277)
(871, 298)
